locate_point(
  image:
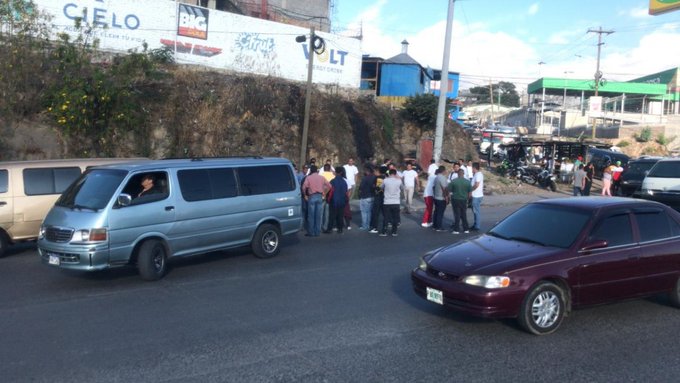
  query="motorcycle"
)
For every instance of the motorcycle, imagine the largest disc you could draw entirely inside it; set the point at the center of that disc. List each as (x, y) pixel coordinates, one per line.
(545, 179)
(527, 174)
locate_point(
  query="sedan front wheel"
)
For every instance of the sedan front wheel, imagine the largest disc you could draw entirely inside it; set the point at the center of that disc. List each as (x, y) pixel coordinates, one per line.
(543, 309)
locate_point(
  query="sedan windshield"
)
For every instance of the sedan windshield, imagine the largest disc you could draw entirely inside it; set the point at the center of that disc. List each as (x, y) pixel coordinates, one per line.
(93, 190)
(544, 225)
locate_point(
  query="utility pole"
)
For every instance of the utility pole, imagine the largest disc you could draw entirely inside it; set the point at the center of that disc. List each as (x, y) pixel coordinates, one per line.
(308, 98)
(491, 100)
(598, 74)
(444, 86)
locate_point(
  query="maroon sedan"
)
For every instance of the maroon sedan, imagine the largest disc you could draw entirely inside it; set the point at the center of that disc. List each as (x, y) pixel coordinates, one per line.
(552, 255)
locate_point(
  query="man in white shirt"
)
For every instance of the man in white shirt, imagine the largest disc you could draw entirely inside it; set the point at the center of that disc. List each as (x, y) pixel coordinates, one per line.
(410, 178)
(351, 173)
(477, 194)
(432, 168)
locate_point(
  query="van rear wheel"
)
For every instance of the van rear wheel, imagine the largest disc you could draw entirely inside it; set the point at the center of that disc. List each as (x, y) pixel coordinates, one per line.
(152, 260)
(266, 241)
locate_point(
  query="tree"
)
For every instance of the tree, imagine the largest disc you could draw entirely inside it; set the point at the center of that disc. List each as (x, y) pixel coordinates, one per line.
(509, 96)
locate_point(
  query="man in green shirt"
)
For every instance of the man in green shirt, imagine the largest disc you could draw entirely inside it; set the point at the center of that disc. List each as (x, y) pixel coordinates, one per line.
(460, 189)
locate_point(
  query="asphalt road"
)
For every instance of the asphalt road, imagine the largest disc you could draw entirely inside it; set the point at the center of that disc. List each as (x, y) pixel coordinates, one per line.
(338, 308)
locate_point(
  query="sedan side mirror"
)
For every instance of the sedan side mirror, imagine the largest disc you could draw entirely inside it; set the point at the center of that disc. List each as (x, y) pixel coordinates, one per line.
(594, 245)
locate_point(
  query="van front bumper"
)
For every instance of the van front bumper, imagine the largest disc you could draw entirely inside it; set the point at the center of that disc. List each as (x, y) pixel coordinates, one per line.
(74, 257)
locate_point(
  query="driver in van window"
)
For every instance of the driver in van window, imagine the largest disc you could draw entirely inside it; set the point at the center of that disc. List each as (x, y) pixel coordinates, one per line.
(148, 186)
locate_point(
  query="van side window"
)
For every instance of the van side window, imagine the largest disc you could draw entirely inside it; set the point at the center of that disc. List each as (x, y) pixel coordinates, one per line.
(147, 187)
(4, 181)
(265, 179)
(206, 184)
(41, 181)
(616, 230)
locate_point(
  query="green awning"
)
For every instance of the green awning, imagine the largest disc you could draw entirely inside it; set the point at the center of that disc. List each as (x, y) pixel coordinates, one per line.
(557, 86)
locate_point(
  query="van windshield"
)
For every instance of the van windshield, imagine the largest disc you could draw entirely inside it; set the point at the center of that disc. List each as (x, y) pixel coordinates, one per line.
(93, 190)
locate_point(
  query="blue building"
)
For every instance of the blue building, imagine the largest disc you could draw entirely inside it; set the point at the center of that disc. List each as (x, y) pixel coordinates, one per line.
(397, 78)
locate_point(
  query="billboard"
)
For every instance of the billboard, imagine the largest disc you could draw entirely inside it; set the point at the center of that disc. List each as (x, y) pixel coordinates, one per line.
(192, 21)
(210, 38)
(657, 7)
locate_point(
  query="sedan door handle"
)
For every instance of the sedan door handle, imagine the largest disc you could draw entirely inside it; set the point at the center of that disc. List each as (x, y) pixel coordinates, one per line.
(169, 208)
(3, 203)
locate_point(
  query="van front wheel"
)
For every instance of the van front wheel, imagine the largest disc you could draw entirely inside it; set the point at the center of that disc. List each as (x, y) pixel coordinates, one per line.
(152, 260)
(266, 241)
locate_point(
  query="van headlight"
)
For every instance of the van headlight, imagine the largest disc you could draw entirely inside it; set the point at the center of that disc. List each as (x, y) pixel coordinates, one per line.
(90, 235)
(489, 282)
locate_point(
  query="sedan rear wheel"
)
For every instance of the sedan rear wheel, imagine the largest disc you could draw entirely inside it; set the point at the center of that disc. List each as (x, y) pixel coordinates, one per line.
(675, 294)
(543, 309)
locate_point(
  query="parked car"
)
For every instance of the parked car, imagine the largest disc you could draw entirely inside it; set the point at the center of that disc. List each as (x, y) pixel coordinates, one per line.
(105, 219)
(634, 173)
(554, 255)
(662, 183)
(601, 158)
(28, 190)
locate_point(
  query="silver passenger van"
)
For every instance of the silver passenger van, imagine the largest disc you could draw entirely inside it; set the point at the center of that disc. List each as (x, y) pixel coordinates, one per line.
(28, 190)
(143, 213)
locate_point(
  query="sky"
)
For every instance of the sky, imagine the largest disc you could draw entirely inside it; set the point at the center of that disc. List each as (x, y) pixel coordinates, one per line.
(518, 40)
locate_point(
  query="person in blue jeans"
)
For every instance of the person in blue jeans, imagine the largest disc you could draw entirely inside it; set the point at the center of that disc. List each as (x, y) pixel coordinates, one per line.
(477, 195)
(314, 188)
(366, 196)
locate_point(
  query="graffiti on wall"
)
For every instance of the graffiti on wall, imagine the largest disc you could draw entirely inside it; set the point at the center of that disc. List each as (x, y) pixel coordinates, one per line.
(257, 53)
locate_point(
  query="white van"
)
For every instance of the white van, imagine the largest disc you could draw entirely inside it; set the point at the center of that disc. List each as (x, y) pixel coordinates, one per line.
(662, 183)
(28, 190)
(147, 212)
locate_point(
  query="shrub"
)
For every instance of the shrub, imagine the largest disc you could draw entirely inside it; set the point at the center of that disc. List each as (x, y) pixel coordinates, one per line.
(422, 110)
(662, 140)
(645, 135)
(623, 144)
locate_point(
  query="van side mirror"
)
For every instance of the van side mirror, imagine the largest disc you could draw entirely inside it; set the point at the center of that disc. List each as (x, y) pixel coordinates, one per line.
(594, 245)
(124, 200)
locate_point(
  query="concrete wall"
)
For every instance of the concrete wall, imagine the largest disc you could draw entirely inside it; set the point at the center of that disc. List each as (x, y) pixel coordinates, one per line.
(210, 38)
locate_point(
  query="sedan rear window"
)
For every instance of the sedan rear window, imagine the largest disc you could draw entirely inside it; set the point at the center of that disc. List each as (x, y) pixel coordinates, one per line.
(655, 225)
(548, 225)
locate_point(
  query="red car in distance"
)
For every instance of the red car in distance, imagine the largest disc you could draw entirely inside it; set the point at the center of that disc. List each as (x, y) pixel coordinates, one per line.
(553, 255)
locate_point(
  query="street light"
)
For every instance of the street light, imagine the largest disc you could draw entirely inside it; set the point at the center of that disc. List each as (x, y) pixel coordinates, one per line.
(316, 45)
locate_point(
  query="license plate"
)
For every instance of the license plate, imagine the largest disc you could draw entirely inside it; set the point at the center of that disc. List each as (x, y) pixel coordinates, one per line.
(54, 260)
(434, 295)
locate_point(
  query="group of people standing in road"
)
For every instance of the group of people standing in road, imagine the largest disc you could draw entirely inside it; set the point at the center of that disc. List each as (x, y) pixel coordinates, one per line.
(584, 174)
(462, 187)
(327, 191)
(326, 195)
